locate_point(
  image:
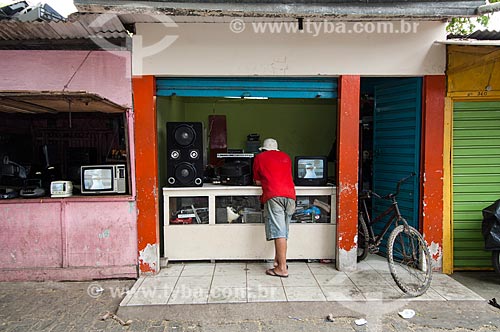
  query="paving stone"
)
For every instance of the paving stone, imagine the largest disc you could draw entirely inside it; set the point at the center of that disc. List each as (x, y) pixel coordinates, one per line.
(63, 328)
(156, 329)
(235, 327)
(175, 327)
(44, 325)
(20, 328)
(116, 328)
(139, 326)
(65, 306)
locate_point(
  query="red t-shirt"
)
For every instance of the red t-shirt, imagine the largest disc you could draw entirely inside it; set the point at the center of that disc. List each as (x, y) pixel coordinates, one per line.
(274, 170)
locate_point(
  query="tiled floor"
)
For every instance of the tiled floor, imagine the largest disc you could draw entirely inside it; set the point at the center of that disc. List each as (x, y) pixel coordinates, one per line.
(192, 283)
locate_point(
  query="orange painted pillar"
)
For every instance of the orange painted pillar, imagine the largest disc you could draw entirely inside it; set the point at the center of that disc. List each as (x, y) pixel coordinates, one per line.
(433, 140)
(347, 171)
(146, 170)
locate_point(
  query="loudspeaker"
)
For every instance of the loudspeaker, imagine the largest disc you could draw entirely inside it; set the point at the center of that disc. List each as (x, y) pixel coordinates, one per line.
(184, 154)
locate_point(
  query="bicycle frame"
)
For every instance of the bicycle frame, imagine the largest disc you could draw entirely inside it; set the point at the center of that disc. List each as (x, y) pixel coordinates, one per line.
(407, 252)
(395, 218)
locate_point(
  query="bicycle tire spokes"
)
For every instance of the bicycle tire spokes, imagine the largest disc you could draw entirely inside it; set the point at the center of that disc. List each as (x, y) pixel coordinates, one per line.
(409, 260)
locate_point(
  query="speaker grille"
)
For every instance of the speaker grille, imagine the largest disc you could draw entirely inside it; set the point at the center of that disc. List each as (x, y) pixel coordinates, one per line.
(184, 154)
(184, 135)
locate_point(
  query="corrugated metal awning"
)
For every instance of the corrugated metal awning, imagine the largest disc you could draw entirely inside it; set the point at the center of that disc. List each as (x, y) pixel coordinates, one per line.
(485, 35)
(34, 102)
(87, 26)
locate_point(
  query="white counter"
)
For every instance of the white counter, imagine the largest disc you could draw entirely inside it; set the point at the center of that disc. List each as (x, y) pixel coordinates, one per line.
(220, 241)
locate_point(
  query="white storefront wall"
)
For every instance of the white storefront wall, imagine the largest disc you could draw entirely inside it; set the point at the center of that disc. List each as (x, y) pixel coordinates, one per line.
(213, 49)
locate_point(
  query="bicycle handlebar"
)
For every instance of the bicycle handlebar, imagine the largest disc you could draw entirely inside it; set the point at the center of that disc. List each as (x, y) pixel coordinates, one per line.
(367, 194)
(398, 186)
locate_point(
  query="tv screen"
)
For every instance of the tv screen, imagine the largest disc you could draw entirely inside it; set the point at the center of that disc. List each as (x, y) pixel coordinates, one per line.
(311, 170)
(58, 186)
(103, 179)
(98, 179)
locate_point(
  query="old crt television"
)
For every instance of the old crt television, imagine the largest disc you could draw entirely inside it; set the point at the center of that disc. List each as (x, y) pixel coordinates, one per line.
(103, 179)
(310, 171)
(61, 189)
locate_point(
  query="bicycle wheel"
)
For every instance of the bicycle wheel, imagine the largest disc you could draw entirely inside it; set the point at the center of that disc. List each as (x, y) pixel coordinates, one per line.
(363, 238)
(409, 260)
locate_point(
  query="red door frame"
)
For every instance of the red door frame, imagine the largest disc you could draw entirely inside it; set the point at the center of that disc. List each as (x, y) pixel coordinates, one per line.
(434, 93)
(347, 171)
(146, 168)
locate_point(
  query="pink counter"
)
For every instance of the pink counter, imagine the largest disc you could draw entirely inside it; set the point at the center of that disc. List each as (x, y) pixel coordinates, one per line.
(76, 238)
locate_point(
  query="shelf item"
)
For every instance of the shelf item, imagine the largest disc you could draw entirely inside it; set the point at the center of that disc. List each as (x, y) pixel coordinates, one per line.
(238, 209)
(312, 209)
(188, 210)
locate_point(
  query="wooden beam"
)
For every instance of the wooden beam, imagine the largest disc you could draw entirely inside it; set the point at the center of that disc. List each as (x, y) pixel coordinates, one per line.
(447, 189)
(480, 60)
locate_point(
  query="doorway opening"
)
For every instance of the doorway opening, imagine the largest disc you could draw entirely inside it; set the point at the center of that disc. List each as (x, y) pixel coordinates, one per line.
(390, 137)
(300, 113)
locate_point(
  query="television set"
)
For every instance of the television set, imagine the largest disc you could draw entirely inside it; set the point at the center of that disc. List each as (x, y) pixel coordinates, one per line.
(61, 189)
(103, 179)
(310, 170)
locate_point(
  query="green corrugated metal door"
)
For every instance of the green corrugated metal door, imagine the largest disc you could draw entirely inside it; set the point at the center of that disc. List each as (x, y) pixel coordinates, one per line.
(476, 178)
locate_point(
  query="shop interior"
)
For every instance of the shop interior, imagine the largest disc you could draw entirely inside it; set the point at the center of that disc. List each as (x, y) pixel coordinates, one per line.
(38, 149)
(303, 127)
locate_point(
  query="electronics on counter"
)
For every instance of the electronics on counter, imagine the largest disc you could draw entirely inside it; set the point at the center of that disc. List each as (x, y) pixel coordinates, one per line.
(103, 179)
(236, 170)
(253, 143)
(95, 179)
(235, 155)
(310, 171)
(237, 173)
(32, 188)
(8, 193)
(61, 189)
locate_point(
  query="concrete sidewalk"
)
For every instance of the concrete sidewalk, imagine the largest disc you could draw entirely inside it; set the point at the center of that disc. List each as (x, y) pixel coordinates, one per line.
(247, 282)
(79, 306)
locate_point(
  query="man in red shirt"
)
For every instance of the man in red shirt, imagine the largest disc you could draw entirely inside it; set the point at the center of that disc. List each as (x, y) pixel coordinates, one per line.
(272, 169)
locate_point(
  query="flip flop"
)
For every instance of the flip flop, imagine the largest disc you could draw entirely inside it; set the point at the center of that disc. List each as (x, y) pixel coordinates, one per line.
(271, 272)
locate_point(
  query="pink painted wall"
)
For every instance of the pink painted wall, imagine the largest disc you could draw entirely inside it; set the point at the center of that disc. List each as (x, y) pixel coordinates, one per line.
(76, 238)
(30, 235)
(105, 73)
(46, 239)
(102, 234)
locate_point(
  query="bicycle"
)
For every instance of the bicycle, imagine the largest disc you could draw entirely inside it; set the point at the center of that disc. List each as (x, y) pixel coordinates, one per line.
(407, 253)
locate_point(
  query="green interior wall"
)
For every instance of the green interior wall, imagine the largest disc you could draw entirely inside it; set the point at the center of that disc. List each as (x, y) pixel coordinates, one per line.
(301, 126)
